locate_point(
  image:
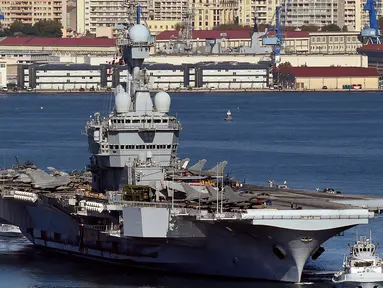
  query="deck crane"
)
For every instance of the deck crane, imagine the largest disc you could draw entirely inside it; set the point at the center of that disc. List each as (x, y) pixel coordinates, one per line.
(371, 34)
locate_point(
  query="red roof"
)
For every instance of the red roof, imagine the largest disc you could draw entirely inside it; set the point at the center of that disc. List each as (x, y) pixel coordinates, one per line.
(371, 47)
(86, 42)
(206, 34)
(333, 72)
(42, 41)
(15, 40)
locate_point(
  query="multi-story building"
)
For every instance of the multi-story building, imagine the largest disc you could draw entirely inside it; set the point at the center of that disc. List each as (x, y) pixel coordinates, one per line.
(101, 16)
(32, 11)
(262, 10)
(298, 13)
(320, 13)
(209, 13)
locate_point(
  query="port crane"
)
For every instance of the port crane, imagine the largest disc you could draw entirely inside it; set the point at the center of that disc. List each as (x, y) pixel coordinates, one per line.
(275, 41)
(371, 34)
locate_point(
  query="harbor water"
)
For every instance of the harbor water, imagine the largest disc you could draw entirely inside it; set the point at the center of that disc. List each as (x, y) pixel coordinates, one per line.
(310, 140)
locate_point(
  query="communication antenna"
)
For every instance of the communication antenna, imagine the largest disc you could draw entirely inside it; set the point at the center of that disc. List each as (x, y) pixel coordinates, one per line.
(187, 21)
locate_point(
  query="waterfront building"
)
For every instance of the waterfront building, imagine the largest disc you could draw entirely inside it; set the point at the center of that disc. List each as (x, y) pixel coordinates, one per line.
(162, 76)
(60, 46)
(300, 42)
(333, 78)
(296, 42)
(374, 52)
(32, 11)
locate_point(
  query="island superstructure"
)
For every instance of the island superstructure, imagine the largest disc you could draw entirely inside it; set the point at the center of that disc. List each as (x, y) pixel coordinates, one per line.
(147, 208)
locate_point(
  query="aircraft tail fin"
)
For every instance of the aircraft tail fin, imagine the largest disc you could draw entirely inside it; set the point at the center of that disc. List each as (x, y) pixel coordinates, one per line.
(231, 195)
(217, 170)
(197, 168)
(184, 163)
(192, 194)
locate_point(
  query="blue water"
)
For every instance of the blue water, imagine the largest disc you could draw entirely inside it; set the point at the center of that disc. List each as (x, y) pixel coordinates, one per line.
(311, 140)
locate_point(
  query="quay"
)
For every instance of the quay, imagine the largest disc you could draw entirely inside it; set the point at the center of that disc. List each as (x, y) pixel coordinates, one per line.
(194, 91)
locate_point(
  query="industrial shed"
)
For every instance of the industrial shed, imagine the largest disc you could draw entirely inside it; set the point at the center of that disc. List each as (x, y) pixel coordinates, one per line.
(334, 78)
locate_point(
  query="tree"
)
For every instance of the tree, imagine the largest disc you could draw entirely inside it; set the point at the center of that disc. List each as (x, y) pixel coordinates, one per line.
(331, 28)
(344, 29)
(231, 26)
(43, 28)
(48, 28)
(283, 75)
(179, 26)
(309, 28)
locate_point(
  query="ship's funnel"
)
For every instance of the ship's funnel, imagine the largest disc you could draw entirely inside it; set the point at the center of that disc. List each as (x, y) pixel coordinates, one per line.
(138, 14)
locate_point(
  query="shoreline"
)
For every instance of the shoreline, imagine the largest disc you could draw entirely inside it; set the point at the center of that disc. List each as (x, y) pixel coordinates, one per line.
(187, 91)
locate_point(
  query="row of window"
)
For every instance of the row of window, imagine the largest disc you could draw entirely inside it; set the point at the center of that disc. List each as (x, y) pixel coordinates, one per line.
(122, 121)
(141, 147)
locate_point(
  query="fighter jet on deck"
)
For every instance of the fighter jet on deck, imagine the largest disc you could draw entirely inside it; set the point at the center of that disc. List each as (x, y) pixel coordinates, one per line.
(217, 171)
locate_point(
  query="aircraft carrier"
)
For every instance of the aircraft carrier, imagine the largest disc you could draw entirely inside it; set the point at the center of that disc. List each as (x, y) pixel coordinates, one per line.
(139, 205)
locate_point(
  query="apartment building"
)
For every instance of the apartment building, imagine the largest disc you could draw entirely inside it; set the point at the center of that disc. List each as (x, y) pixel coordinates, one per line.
(313, 12)
(297, 13)
(262, 10)
(201, 14)
(32, 11)
(100, 16)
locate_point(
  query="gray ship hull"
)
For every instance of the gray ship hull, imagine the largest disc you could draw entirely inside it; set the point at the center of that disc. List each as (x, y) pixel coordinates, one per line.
(227, 248)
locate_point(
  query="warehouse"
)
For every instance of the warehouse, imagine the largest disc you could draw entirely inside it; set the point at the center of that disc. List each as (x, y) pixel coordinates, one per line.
(229, 75)
(333, 78)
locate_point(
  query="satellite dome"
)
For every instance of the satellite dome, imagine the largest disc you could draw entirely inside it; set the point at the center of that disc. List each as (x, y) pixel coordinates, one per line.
(162, 102)
(139, 33)
(122, 102)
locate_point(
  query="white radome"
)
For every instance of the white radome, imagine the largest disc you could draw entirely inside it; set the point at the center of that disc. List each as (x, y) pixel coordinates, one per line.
(122, 102)
(162, 102)
(139, 33)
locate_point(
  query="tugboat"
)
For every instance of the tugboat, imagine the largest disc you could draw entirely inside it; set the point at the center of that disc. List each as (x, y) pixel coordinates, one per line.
(362, 268)
(228, 116)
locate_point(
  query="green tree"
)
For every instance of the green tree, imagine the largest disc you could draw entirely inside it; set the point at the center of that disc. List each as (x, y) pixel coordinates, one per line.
(179, 26)
(231, 26)
(48, 28)
(331, 28)
(344, 29)
(17, 27)
(43, 28)
(309, 28)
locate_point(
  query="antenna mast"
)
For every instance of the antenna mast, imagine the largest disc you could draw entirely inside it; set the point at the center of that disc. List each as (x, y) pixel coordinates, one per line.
(187, 20)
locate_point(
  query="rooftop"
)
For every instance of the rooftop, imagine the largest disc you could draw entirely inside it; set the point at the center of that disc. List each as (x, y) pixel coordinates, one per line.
(371, 47)
(206, 34)
(333, 72)
(41, 41)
